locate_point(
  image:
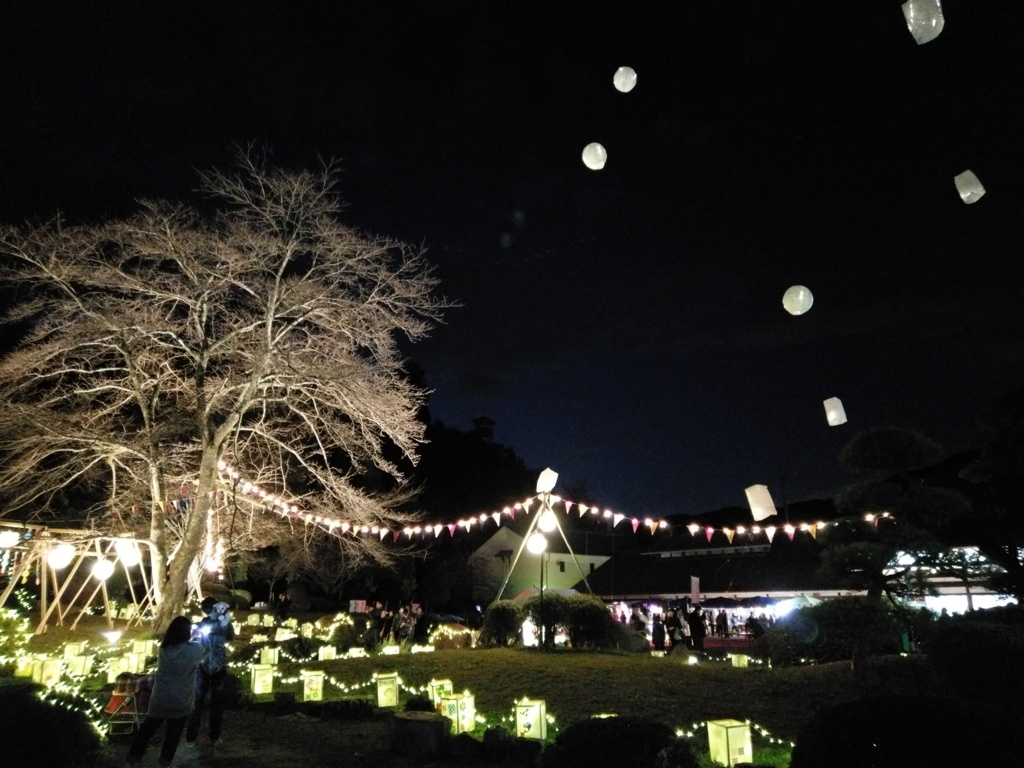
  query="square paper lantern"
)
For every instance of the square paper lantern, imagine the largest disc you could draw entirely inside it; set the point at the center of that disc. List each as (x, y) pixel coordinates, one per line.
(270, 655)
(23, 666)
(268, 620)
(387, 689)
(312, 685)
(532, 719)
(282, 634)
(46, 672)
(390, 650)
(729, 741)
(421, 649)
(253, 620)
(146, 648)
(115, 667)
(436, 689)
(135, 662)
(262, 678)
(834, 412)
(260, 639)
(760, 501)
(327, 653)
(460, 708)
(740, 660)
(80, 666)
(356, 653)
(292, 623)
(306, 630)
(74, 649)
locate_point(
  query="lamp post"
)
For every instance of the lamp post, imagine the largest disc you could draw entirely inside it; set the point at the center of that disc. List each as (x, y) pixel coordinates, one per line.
(537, 543)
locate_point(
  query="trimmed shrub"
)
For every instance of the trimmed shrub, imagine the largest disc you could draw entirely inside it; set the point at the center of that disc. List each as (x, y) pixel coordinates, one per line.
(37, 733)
(901, 731)
(502, 621)
(419, 704)
(550, 611)
(623, 741)
(589, 623)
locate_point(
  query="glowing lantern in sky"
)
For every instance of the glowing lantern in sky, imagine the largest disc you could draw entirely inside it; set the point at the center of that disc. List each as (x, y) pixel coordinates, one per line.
(103, 569)
(625, 79)
(797, 299)
(924, 19)
(594, 156)
(969, 187)
(834, 412)
(760, 501)
(60, 555)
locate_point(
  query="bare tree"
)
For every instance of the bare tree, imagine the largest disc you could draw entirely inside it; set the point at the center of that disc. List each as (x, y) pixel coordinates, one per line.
(169, 359)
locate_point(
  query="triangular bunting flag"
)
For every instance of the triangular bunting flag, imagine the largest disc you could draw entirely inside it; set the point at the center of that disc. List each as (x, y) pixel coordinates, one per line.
(652, 525)
(617, 518)
(710, 532)
(437, 529)
(568, 505)
(635, 523)
(496, 517)
(583, 509)
(451, 529)
(790, 531)
(383, 533)
(693, 528)
(813, 530)
(396, 534)
(770, 530)
(729, 533)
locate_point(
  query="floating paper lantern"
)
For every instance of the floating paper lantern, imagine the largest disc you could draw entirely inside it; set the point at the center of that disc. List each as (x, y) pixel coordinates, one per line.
(594, 156)
(9, 539)
(969, 187)
(60, 555)
(625, 79)
(834, 412)
(797, 299)
(760, 501)
(924, 19)
(387, 689)
(729, 742)
(128, 551)
(103, 569)
(532, 719)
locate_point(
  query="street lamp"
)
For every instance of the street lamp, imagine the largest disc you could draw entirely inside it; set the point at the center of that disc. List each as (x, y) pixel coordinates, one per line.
(537, 543)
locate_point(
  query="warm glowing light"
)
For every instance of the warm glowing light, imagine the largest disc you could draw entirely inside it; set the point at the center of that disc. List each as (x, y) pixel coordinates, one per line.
(546, 481)
(624, 79)
(969, 187)
(537, 543)
(112, 637)
(924, 19)
(103, 569)
(128, 551)
(547, 522)
(9, 539)
(797, 299)
(60, 555)
(594, 156)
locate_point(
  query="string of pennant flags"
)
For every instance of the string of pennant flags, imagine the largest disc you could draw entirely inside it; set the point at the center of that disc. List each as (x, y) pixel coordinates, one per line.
(285, 509)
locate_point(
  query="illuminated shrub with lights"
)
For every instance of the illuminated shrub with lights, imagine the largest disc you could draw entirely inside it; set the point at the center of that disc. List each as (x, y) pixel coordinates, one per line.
(37, 732)
(451, 637)
(550, 611)
(502, 622)
(903, 731)
(589, 624)
(625, 741)
(979, 661)
(14, 633)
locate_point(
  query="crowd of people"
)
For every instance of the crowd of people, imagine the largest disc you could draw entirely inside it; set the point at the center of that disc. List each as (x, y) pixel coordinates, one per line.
(406, 624)
(690, 624)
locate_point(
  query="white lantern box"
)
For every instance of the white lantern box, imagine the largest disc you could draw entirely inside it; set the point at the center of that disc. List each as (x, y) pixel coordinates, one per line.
(729, 742)
(268, 620)
(327, 653)
(312, 685)
(80, 666)
(532, 719)
(282, 634)
(306, 630)
(74, 649)
(260, 639)
(387, 689)
(46, 671)
(356, 653)
(115, 667)
(262, 678)
(146, 648)
(740, 660)
(23, 666)
(421, 649)
(760, 502)
(292, 623)
(270, 655)
(253, 620)
(437, 689)
(969, 187)
(390, 650)
(134, 663)
(460, 708)
(834, 412)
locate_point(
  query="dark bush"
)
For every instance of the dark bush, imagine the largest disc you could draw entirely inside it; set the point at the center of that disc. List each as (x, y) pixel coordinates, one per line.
(979, 661)
(625, 741)
(903, 731)
(419, 704)
(37, 733)
(589, 624)
(502, 622)
(550, 610)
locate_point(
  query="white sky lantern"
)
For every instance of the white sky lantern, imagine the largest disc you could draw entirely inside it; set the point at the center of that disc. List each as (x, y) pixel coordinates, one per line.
(797, 299)
(60, 555)
(834, 412)
(969, 187)
(128, 551)
(924, 19)
(594, 156)
(625, 79)
(760, 501)
(103, 569)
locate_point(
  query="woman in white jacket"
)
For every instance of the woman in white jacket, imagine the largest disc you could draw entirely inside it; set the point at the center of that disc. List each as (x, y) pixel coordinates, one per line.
(173, 691)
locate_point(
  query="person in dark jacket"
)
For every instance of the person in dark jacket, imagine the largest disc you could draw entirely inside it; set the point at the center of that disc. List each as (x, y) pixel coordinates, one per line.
(698, 628)
(173, 692)
(215, 631)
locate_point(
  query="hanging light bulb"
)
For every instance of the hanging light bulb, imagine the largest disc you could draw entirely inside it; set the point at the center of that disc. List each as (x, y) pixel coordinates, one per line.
(537, 543)
(547, 522)
(128, 551)
(9, 539)
(103, 569)
(60, 555)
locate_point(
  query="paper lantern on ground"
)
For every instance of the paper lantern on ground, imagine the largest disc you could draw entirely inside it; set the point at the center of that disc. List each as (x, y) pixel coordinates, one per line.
(115, 667)
(924, 19)
(532, 719)
(80, 666)
(387, 689)
(834, 412)
(135, 663)
(740, 660)
(46, 672)
(797, 299)
(306, 630)
(253, 620)
(60, 555)
(625, 79)
(74, 649)
(356, 653)
(594, 156)
(760, 501)
(268, 620)
(437, 689)
(969, 187)
(262, 678)
(729, 742)
(312, 685)
(390, 650)
(291, 623)
(460, 708)
(270, 655)
(327, 653)
(283, 634)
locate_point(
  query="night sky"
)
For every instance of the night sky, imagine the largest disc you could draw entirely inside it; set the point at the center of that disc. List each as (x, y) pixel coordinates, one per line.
(622, 326)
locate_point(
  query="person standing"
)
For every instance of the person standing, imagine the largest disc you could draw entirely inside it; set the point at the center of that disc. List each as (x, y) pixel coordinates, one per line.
(215, 631)
(698, 629)
(658, 633)
(673, 630)
(722, 623)
(173, 691)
